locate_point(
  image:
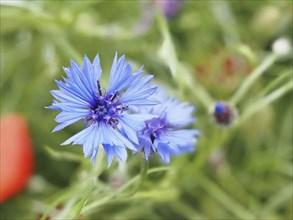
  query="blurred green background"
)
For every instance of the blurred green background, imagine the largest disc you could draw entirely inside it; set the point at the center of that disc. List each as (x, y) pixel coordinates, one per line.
(203, 52)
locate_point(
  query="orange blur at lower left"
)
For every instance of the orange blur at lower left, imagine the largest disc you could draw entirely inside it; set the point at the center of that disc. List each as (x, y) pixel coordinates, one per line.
(16, 154)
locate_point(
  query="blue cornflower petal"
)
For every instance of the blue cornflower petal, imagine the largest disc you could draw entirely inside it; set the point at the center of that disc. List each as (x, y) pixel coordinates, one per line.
(139, 92)
(187, 148)
(74, 89)
(81, 81)
(72, 92)
(81, 136)
(109, 152)
(179, 114)
(67, 118)
(114, 137)
(65, 124)
(94, 155)
(97, 70)
(165, 152)
(70, 101)
(120, 152)
(112, 151)
(180, 137)
(94, 72)
(147, 150)
(133, 123)
(103, 135)
(67, 115)
(175, 116)
(121, 75)
(144, 145)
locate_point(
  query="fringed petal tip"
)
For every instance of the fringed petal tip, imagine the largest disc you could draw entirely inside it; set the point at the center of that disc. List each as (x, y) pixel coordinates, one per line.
(118, 151)
(94, 156)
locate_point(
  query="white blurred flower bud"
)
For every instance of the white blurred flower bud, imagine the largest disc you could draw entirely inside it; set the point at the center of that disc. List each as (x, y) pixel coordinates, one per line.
(282, 46)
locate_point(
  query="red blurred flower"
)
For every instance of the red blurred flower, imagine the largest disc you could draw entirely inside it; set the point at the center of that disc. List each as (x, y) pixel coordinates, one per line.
(225, 68)
(17, 159)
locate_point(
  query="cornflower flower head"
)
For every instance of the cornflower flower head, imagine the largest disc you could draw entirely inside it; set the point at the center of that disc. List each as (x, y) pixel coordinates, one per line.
(105, 113)
(164, 133)
(224, 114)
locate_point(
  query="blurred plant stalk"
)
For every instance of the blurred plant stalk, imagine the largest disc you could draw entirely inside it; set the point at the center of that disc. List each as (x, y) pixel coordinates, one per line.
(181, 75)
(248, 82)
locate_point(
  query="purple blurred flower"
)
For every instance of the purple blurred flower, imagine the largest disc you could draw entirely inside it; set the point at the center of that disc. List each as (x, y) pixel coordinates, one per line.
(170, 8)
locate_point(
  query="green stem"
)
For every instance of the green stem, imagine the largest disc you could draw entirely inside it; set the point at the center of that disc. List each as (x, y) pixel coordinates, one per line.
(80, 190)
(276, 201)
(180, 73)
(225, 17)
(60, 155)
(63, 44)
(245, 86)
(282, 78)
(143, 174)
(259, 105)
(217, 140)
(187, 210)
(62, 197)
(79, 206)
(222, 197)
(91, 207)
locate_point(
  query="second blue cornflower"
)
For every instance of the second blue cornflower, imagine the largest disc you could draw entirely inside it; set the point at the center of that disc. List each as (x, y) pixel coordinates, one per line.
(165, 133)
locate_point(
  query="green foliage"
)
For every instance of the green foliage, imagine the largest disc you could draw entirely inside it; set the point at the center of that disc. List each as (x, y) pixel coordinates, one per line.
(210, 51)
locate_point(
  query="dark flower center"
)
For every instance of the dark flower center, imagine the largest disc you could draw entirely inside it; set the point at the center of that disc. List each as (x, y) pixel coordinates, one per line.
(154, 127)
(106, 108)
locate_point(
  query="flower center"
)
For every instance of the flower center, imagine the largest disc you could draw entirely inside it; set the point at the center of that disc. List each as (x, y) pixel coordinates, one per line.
(106, 109)
(154, 127)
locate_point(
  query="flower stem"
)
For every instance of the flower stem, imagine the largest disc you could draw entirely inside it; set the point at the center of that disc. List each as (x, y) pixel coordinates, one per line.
(230, 203)
(263, 102)
(245, 86)
(143, 173)
(180, 73)
(98, 203)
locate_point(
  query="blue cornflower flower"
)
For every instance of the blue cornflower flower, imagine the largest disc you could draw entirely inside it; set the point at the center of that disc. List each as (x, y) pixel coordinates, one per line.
(164, 133)
(105, 112)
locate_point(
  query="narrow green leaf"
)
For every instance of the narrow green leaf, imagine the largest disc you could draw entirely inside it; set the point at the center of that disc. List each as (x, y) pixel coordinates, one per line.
(248, 82)
(58, 155)
(227, 201)
(276, 201)
(282, 78)
(263, 102)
